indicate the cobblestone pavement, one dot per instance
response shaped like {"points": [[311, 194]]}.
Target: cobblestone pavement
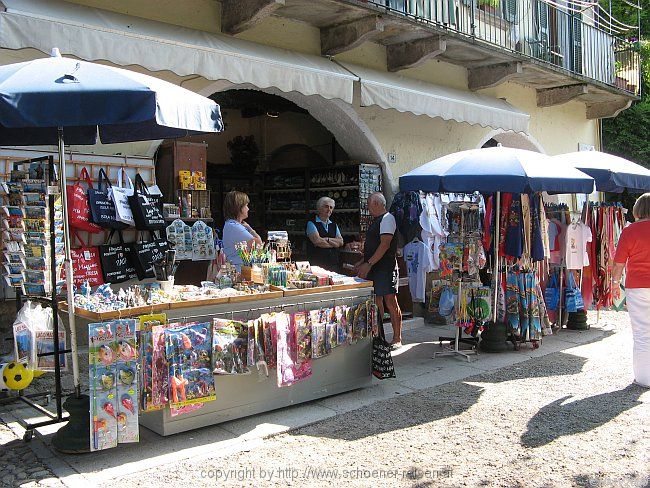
{"points": [[19, 466]]}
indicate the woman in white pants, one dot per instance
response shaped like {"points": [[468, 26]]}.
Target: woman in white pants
{"points": [[633, 254]]}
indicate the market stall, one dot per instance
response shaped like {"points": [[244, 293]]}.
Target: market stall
{"points": [[511, 235]]}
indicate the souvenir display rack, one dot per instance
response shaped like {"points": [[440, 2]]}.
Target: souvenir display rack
{"points": [[52, 192], [344, 369], [460, 231]]}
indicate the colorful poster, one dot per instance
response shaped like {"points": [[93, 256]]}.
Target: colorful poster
{"points": [[45, 344]]}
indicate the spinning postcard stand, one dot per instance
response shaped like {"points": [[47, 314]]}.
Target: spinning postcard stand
{"points": [[459, 235], [43, 169]]}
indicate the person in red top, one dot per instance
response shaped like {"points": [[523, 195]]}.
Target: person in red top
{"points": [[633, 254]]}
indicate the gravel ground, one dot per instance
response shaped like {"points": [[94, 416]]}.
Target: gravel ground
{"points": [[567, 419]]}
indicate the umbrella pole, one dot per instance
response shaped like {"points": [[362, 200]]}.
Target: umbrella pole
{"points": [[73, 437], [69, 278], [496, 275]]}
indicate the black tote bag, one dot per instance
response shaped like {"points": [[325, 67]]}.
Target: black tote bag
{"points": [[145, 253], [146, 208], [116, 260], [102, 208], [382, 361]]}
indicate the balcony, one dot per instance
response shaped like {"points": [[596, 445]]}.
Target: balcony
{"points": [[562, 52]]}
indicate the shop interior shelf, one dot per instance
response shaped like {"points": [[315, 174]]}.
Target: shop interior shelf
{"points": [[285, 190], [325, 188]]}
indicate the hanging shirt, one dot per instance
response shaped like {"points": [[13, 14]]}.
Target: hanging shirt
{"points": [[415, 258], [433, 233], [577, 237]]}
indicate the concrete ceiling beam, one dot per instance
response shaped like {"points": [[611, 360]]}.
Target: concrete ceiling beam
{"points": [[343, 37], [489, 76], [605, 110], [238, 16], [413, 53], [558, 95]]}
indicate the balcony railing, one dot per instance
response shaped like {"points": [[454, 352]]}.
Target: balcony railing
{"points": [[564, 36]]}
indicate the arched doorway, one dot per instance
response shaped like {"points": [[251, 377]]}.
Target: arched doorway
{"points": [[516, 140]]}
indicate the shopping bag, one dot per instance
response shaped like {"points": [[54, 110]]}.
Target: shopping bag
{"points": [[145, 253], [86, 265], [116, 261], [572, 297], [120, 196], [78, 208], [146, 208], [382, 361], [102, 208], [552, 293]]}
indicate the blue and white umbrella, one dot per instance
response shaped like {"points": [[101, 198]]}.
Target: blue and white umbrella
{"points": [[611, 173], [59, 100]]}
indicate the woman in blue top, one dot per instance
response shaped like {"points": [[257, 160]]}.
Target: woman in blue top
{"points": [[235, 230]]}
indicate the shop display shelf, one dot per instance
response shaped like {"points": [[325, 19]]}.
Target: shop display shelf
{"points": [[257, 296], [293, 292], [285, 190], [342, 187], [116, 314]]}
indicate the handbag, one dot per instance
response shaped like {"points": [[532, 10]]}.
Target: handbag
{"points": [[382, 361], [144, 254], [120, 196], [86, 265], [102, 208], [116, 261], [79, 210], [552, 293], [572, 296], [146, 208]]}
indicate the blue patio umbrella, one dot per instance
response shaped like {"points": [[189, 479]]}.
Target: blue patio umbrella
{"points": [[496, 169], [58, 100], [611, 173]]}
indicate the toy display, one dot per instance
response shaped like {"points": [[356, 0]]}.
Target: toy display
{"points": [[188, 352], [148, 370], [229, 347], [113, 380]]}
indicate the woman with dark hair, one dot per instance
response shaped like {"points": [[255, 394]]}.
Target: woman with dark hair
{"points": [[236, 230], [633, 254]]}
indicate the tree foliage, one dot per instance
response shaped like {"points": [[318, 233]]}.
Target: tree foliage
{"points": [[627, 134]]}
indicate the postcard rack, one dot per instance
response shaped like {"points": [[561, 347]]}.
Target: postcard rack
{"points": [[52, 193]]}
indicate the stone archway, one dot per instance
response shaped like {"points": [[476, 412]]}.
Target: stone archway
{"points": [[340, 118], [516, 140]]}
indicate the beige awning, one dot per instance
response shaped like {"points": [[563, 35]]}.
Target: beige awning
{"points": [[93, 34], [408, 95]]}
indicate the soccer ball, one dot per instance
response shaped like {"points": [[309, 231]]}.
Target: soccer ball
{"points": [[17, 376]]}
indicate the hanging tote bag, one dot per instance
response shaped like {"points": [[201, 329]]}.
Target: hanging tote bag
{"points": [[120, 196], [116, 260], [573, 298], [102, 208], [146, 208], [79, 210], [145, 253], [86, 265], [552, 293], [382, 361]]}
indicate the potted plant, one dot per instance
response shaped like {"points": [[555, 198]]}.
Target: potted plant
{"points": [[489, 6]]}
